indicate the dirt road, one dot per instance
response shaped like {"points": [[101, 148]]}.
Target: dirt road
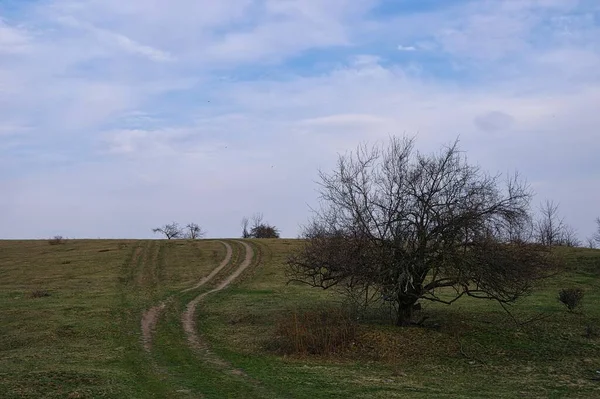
{"points": [[188, 319], [150, 316]]}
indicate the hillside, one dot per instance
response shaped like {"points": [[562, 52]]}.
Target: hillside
{"points": [[72, 320]]}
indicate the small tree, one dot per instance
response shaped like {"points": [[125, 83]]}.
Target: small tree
{"points": [[596, 236], [245, 223], [398, 226], [170, 231], [568, 237], [194, 231], [590, 243], [549, 228]]}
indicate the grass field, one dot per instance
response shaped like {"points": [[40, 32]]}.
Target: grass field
{"points": [[70, 328]]}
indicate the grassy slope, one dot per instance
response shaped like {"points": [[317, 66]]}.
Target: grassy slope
{"points": [[84, 339], [476, 352]]}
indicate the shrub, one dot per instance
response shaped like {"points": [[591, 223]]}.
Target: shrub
{"points": [[264, 231], [56, 240], [39, 294], [591, 332], [259, 229], [312, 332], [571, 297]]}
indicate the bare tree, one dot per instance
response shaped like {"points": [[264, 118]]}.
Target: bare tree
{"points": [[550, 227], [194, 231], [396, 225], [257, 219], [171, 230], [245, 231], [596, 236], [590, 243], [568, 237]]}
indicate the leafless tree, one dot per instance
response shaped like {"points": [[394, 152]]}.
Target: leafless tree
{"points": [[245, 231], [550, 227], [257, 219], [171, 230], [396, 225], [596, 236], [590, 243], [568, 237], [194, 231]]}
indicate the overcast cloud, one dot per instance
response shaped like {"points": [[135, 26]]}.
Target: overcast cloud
{"points": [[118, 116]]}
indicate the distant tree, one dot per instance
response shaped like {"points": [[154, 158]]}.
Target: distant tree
{"points": [[590, 243], [245, 224], [399, 226], [596, 236], [549, 228], [259, 228], [56, 240], [171, 230], [568, 237], [264, 231], [194, 231]]}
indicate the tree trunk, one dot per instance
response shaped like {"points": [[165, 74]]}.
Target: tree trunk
{"points": [[406, 306]]}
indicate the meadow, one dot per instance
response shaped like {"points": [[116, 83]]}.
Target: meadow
{"points": [[70, 327]]}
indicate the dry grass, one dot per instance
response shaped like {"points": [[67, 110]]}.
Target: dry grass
{"points": [[316, 332]]}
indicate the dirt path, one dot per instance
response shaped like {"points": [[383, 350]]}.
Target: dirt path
{"points": [[150, 316], [215, 271], [187, 318]]}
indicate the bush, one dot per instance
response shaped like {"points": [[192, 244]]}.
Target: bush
{"points": [[264, 231], [39, 294], [56, 240], [258, 229], [321, 332], [571, 297]]}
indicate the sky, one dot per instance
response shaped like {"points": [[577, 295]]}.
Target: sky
{"points": [[120, 116]]}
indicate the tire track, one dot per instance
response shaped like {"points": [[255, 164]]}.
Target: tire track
{"points": [[187, 318], [151, 315], [196, 344]]}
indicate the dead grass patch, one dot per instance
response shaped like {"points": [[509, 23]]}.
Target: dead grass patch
{"points": [[315, 332]]}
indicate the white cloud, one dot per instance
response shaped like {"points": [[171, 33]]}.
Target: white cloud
{"points": [[13, 39], [116, 39], [406, 48]]}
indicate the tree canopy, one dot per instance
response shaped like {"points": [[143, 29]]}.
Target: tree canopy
{"points": [[397, 225]]}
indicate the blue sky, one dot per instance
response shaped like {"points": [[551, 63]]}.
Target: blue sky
{"points": [[118, 116]]}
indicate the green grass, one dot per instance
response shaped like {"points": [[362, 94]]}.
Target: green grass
{"points": [[83, 340]]}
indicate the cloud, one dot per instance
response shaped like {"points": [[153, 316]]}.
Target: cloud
{"points": [[116, 39], [494, 121], [406, 48], [13, 39], [209, 111]]}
